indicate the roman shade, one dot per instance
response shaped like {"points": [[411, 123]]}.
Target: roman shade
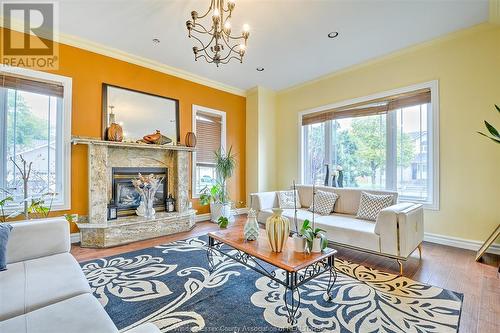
{"points": [[369, 108], [208, 135], [37, 87]]}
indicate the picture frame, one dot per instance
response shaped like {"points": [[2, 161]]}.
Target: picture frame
{"points": [[140, 113]]}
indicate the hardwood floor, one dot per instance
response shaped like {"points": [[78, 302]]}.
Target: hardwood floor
{"points": [[442, 266]]}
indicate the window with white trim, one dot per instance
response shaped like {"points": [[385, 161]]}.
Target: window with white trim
{"points": [[35, 111], [383, 143], [210, 127]]}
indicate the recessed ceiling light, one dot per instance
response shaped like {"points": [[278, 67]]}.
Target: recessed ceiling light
{"points": [[260, 69], [156, 41], [333, 34]]}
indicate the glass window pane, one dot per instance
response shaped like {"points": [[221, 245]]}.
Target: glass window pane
{"points": [[205, 177], [360, 150], [31, 134], [314, 164], [412, 153]]}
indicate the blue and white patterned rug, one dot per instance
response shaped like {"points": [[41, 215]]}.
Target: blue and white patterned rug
{"points": [[170, 285]]}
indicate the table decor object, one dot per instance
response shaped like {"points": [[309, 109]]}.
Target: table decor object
{"points": [[277, 229], [251, 228]]}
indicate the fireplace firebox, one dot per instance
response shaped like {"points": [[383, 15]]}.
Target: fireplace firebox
{"points": [[124, 194]]}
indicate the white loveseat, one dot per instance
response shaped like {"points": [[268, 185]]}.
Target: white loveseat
{"points": [[44, 290], [397, 232]]}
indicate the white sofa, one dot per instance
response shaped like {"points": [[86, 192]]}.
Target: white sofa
{"points": [[397, 232], [44, 290]]}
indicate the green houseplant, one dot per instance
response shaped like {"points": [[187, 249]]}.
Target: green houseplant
{"points": [[494, 135], [315, 238], [217, 195]]}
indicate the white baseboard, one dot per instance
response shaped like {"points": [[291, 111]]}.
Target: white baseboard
{"points": [[206, 216], [202, 217], [75, 237], [459, 242]]}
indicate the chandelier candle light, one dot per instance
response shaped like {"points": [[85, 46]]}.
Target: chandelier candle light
{"points": [[222, 47]]}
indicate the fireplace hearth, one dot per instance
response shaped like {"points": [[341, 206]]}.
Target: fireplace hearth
{"points": [[125, 196]]}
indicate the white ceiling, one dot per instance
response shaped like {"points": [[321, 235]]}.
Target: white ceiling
{"points": [[288, 37]]}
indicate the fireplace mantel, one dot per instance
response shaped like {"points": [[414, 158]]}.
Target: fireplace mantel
{"points": [[102, 157], [76, 140]]}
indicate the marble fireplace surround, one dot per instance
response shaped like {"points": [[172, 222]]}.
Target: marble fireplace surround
{"points": [[98, 232]]}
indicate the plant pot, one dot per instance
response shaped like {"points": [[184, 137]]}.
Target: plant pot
{"points": [[299, 243], [316, 245], [218, 209], [277, 229]]}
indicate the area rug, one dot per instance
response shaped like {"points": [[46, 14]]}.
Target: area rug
{"points": [[170, 285]]}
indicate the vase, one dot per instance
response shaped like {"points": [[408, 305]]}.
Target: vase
{"points": [[277, 229], [251, 228], [299, 243], [190, 139], [148, 201], [340, 179], [327, 175], [115, 132], [316, 245], [220, 209]]}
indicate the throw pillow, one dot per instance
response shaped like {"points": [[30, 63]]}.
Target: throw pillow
{"points": [[371, 204], [324, 202], [4, 237], [285, 199]]}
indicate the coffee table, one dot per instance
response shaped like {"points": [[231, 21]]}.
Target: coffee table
{"points": [[299, 267]]}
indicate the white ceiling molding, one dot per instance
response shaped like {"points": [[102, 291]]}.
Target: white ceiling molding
{"points": [[87, 45]]}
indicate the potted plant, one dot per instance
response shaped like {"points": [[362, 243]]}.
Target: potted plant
{"points": [[494, 134], [315, 238], [217, 196]]}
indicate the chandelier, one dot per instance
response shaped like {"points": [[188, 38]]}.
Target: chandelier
{"points": [[222, 47]]}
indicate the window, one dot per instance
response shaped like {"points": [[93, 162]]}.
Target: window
{"points": [[210, 129], [35, 127], [387, 142]]}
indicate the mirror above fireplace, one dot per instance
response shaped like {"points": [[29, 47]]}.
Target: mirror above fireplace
{"points": [[140, 113]]}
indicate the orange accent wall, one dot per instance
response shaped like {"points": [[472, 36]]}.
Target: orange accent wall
{"points": [[89, 70]]}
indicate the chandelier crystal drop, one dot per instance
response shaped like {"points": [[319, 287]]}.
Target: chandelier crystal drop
{"points": [[222, 47]]}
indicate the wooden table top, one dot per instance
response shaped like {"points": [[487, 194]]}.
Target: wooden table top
{"points": [[288, 260]]}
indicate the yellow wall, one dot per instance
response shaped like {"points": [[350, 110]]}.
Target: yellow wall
{"points": [[89, 70], [261, 140], [467, 65]]}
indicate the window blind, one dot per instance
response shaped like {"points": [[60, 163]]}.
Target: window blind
{"points": [[37, 87], [369, 108], [208, 137]]}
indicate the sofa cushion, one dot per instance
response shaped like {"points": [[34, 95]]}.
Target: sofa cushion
{"points": [[79, 314], [285, 199], [32, 284], [370, 205], [4, 238], [348, 201], [348, 230], [323, 202]]}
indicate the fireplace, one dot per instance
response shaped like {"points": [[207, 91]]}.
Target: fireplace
{"points": [[125, 196]]}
